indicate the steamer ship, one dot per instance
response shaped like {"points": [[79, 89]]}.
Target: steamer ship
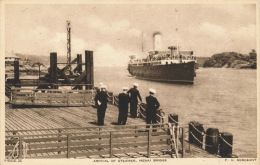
{"points": [[171, 66]]}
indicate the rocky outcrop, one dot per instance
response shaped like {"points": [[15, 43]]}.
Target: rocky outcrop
{"points": [[232, 60]]}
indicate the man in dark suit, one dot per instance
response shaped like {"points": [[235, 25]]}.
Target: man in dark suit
{"points": [[101, 100], [134, 93], [123, 106], [152, 106]]}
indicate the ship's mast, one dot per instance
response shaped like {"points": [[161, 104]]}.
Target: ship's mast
{"points": [[176, 23], [142, 42]]}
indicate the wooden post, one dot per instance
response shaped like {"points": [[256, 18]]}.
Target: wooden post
{"points": [[16, 71], [79, 61], [20, 147], [149, 143], [53, 69], [183, 149], [59, 131], [211, 143], [89, 69], [111, 144], [67, 97], [68, 145], [225, 145], [196, 133], [84, 99]]}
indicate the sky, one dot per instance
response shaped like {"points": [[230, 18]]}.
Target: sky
{"points": [[116, 31]]}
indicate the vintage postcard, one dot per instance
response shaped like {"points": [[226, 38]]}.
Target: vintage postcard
{"points": [[129, 82]]}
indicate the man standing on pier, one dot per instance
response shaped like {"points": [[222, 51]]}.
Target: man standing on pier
{"points": [[123, 106], [134, 93], [101, 100], [152, 106]]}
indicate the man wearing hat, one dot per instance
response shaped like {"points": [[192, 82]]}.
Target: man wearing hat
{"points": [[123, 106], [101, 100], [134, 93], [152, 106]]}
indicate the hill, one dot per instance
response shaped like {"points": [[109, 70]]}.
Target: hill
{"points": [[40, 58], [232, 60], [201, 60]]}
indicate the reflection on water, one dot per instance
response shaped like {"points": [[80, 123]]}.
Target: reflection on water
{"points": [[222, 98]]}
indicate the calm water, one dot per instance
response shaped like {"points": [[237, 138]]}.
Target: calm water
{"points": [[220, 98]]}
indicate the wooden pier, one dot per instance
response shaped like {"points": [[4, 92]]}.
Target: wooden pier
{"points": [[45, 124], [56, 119]]}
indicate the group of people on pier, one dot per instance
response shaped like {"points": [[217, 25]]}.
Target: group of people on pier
{"points": [[128, 96]]}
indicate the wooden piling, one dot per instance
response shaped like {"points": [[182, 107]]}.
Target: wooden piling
{"points": [[89, 69], [68, 145], [211, 144], [53, 69], [20, 156], [111, 144], [16, 71], [182, 144], [196, 132], [149, 143], [79, 61], [225, 144]]}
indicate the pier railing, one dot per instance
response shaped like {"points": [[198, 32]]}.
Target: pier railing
{"points": [[52, 97], [90, 142], [141, 108]]}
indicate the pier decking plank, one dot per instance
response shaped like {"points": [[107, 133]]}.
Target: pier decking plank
{"points": [[71, 117], [60, 117]]}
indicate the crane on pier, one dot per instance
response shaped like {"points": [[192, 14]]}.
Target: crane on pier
{"points": [[68, 45]]}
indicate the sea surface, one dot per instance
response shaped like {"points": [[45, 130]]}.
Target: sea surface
{"points": [[220, 98]]}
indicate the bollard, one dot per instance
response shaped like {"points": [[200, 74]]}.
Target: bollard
{"points": [[212, 135], [225, 144], [173, 118], [196, 132]]}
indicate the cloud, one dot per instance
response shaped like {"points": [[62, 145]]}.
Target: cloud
{"points": [[95, 22], [245, 32], [212, 29], [114, 27]]}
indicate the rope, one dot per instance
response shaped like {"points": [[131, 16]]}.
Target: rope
{"points": [[142, 107], [173, 120], [195, 137], [110, 95], [159, 115], [116, 98], [13, 151], [202, 133], [116, 103], [199, 140], [226, 141], [142, 114]]}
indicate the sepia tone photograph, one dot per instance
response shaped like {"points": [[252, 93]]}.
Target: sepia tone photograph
{"points": [[129, 82]]}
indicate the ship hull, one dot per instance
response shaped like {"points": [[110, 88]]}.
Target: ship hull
{"points": [[183, 73]]}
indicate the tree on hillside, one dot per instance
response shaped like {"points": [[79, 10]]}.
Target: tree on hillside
{"points": [[252, 54]]}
